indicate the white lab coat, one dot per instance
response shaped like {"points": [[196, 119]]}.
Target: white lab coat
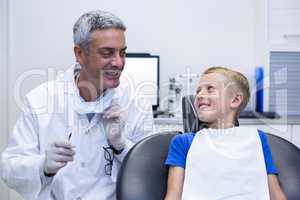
{"points": [[49, 115]]}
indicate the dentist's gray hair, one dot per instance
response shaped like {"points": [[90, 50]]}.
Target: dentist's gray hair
{"points": [[91, 21]]}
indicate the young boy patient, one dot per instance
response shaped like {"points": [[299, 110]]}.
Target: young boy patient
{"points": [[222, 161]]}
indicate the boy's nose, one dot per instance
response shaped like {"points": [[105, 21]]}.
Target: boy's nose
{"points": [[201, 93]]}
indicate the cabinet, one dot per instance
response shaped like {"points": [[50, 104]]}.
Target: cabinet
{"points": [[284, 25], [168, 124], [296, 135], [284, 131], [289, 130]]}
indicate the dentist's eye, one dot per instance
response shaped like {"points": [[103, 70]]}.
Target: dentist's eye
{"points": [[123, 54], [210, 88], [106, 52]]}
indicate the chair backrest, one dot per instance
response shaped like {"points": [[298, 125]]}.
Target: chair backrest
{"points": [[287, 160], [190, 121], [285, 154], [143, 174]]}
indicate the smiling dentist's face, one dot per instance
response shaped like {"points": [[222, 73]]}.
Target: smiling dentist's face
{"points": [[104, 61]]}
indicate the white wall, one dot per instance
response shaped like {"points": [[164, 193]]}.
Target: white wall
{"points": [[284, 25], [3, 86], [192, 34], [186, 34]]}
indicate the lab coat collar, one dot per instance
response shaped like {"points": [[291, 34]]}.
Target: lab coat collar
{"points": [[69, 79], [77, 102]]}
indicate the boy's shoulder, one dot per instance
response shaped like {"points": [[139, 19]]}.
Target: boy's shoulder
{"points": [[184, 136], [183, 139]]}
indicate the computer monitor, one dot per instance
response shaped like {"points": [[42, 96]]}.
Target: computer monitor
{"points": [[141, 72]]}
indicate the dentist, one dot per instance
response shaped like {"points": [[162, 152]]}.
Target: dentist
{"points": [[74, 132]]}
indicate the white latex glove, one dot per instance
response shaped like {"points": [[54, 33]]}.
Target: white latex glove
{"points": [[114, 126], [58, 154]]}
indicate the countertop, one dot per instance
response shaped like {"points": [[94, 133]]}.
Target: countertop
{"points": [[243, 121]]}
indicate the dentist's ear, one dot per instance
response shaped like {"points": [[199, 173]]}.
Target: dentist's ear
{"points": [[237, 100], [79, 54]]}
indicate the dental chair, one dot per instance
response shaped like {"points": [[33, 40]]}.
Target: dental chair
{"points": [[285, 154], [143, 174]]}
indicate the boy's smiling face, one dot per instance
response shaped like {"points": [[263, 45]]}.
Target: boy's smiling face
{"points": [[214, 100]]}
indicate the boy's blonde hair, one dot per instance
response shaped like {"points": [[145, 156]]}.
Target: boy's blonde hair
{"points": [[237, 78]]}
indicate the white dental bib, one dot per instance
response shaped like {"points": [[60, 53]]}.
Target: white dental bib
{"points": [[226, 164]]}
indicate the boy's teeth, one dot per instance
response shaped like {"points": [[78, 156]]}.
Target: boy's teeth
{"points": [[204, 106]]}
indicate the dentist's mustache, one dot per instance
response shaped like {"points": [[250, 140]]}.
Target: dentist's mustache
{"points": [[110, 70]]}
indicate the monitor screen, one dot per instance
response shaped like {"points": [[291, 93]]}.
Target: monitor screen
{"points": [[141, 72]]}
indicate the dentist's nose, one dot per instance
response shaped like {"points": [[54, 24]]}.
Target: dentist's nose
{"points": [[118, 61]]}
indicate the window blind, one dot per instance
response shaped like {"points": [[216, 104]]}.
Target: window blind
{"points": [[285, 83]]}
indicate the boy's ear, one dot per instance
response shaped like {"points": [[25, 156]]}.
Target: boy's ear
{"points": [[237, 101]]}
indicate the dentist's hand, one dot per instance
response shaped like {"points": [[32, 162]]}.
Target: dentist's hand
{"points": [[58, 154], [114, 126]]}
